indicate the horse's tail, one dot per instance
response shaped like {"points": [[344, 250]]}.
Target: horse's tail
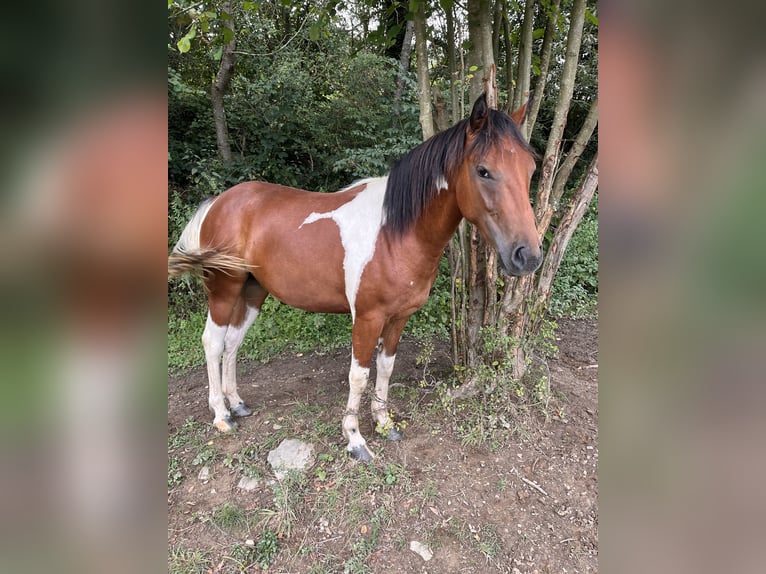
{"points": [[204, 261], [189, 257]]}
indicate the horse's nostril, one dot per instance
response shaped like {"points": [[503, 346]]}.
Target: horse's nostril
{"points": [[519, 256]]}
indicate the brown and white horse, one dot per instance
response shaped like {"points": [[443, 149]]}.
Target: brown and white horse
{"points": [[371, 250]]}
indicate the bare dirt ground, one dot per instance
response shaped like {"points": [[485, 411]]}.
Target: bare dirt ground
{"points": [[526, 504]]}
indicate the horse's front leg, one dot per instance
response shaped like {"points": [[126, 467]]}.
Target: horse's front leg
{"points": [[384, 367], [364, 337]]}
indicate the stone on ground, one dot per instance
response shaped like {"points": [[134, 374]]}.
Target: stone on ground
{"points": [[291, 454], [421, 550]]}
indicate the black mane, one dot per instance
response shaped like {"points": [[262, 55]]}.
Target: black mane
{"points": [[412, 182]]}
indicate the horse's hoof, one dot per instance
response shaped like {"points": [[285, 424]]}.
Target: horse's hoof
{"points": [[361, 453], [226, 425], [393, 435], [241, 410]]}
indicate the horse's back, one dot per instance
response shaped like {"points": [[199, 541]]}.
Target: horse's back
{"points": [[302, 265]]}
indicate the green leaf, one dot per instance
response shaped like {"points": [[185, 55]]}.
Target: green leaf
{"points": [[228, 35], [184, 44], [591, 17], [314, 31]]}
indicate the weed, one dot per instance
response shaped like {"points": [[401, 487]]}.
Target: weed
{"points": [[206, 455], [267, 548], [244, 461], [288, 497], [229, 516], [175, 476], [242, 556], [186, 561]]}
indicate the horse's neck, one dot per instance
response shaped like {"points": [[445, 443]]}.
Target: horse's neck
{"points": [[438, 224]]}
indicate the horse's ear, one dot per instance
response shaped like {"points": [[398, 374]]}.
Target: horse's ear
{"points": [[521, 114], [479, 113]]}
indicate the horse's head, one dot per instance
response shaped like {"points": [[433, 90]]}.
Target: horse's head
{"points": [[493, 187]]}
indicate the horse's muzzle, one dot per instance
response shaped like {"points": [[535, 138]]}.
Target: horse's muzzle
{"points": [[521, 259]]}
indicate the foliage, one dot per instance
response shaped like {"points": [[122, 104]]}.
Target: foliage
{"points": [[575, 287], [493, 414], [311, 105]]}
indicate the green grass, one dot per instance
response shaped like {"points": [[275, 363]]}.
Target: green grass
{"points": [[229, 516], [187, 561]]}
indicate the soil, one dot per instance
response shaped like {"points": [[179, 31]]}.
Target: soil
{"points": [[526, 505]]}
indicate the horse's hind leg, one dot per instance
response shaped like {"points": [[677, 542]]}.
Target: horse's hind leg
{"points": [[213, 338], [225, 294], [253, 296]]}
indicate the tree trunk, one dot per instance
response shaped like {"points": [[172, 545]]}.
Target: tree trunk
{"points": [[441, 119], [525, 56], [404, 65], [456, 110], [565, 229], [510, 84], [424, 82], [518, 310], [221, 84], [480, 37], [545, 62], [566, 167], [568, 74], [473, 264]]}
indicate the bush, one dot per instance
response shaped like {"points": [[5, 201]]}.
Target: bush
{"points": [[575, 287]]}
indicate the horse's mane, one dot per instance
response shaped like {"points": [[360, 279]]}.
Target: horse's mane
{"points": [[415, 179]]}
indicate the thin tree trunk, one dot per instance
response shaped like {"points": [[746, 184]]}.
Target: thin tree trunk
{"points": [[545, 62], [480, 37], [441, 119], [424, 82], [510, 84], [220, 85], [568, 74], [525, 55], [566, 167], [473, 262], [574, 153], [566, 228], [404, 65], [456, 111]]}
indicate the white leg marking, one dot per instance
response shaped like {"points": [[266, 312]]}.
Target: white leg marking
{"points": [[359, 222], [213, 341], [385, 366], [232, 342], [357, 381]]}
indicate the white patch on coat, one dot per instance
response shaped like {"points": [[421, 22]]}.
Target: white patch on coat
{"points": [[441, 184], [359, 222], [189, 240]]}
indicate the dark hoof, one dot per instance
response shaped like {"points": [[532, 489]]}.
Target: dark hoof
{"points": [[226, 425], [241, 410], [393, 434], [361, 453]]}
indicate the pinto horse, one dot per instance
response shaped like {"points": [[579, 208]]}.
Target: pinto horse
{"points": [[371, 250]]}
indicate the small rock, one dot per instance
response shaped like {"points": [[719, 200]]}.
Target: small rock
{"points": [[204, 473], [247, 483], [249, 542], [421, 550], [291, 454]]}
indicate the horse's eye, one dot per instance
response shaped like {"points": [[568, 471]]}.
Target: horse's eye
{"points": [[483, 172]]}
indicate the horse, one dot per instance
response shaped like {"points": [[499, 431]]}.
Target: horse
{"points": [[371, 250]]}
